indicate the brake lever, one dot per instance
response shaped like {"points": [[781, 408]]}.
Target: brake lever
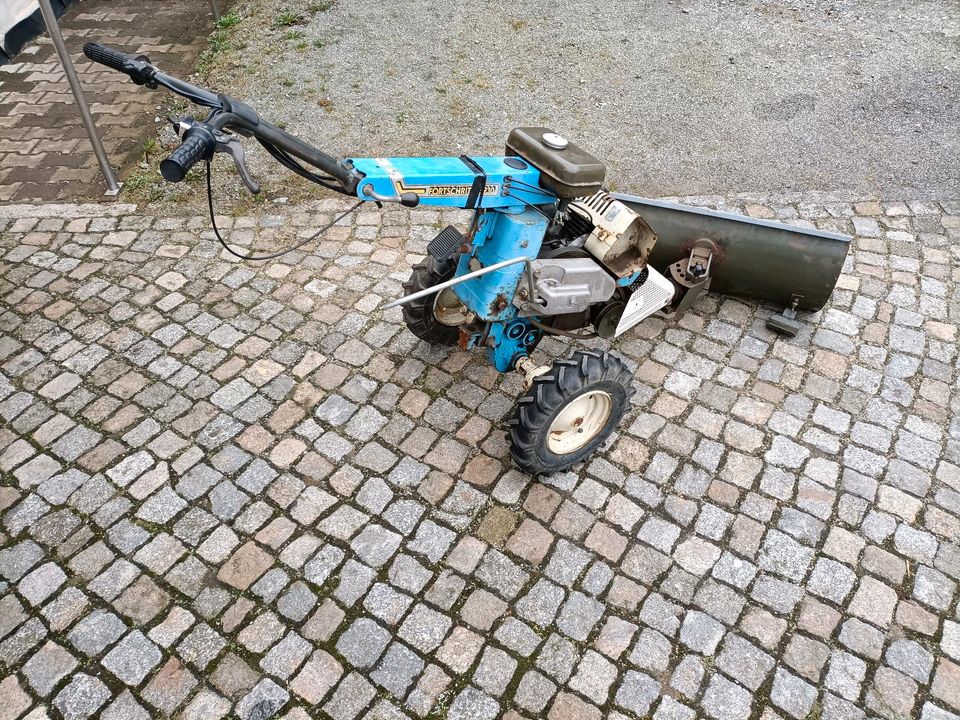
{"points": [[225, 143], [231, 145]]}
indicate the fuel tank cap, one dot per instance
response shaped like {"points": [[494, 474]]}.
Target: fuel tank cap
{"points": [[552, 140]]}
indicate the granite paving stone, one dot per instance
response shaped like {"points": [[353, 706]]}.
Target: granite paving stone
{"points": [[132, 659], [47, 667], [363, 643], [244, 490], [81, 697]]}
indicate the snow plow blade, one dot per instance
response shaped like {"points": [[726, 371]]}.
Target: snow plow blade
{"points": [[790, 266]]}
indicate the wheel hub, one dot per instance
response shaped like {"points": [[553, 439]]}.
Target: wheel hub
{"points": [[579, 422], [449, 310]]}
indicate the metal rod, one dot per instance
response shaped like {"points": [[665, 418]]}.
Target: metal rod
{"points": [[528, 271], [216, 11], [50, 19]]}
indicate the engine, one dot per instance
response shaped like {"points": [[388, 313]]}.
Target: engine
{"points": [[569, 285], [594, 266], [619, 238]]}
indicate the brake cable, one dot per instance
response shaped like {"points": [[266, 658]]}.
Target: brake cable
{"points": [[288, 162], [509, 180], [271, 256]]}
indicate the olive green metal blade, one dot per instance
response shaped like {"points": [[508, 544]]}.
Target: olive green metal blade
{"points": [[757, 259]]}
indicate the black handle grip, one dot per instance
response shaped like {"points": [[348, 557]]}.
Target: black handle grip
{"points": [[107, 56], [198, 145], [138, 68]]}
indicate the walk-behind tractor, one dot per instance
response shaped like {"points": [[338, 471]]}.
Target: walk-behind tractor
{"points": [[548, 251]]}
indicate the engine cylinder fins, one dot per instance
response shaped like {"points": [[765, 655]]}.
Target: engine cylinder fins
{"points": [[599, 202], [576, 226], [618, 237]]}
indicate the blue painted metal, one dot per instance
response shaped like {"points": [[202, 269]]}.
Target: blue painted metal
{"points": [[629, 279], [507, 228], [509, 341], [500, 236], [446, 181]]}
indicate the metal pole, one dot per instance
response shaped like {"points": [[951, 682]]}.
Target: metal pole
{"points": [[216, 12], [528, 271], [50, 19]]}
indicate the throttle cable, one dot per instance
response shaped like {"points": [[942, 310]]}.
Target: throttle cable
{"points": [[271, 256]]}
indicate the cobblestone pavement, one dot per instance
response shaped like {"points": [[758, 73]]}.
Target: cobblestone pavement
{"points": [[44, 150], [244, 490]]}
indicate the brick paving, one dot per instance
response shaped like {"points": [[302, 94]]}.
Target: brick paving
{"points": [[243, 490], [44, 150]]}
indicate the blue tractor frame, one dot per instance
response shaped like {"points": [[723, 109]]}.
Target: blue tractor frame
{"points": [[509, 225], [513, 211]]}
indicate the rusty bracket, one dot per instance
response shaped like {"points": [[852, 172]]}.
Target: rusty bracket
{"points": [[701, 257], [691, 276]]}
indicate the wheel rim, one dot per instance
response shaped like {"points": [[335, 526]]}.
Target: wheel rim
{"points": [[579, 422], [448, 310]]}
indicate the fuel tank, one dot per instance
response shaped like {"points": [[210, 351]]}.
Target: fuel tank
{"points": [[756, 259]]}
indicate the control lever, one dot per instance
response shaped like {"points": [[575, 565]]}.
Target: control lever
{"points": [[231, 145], [407, 199]]}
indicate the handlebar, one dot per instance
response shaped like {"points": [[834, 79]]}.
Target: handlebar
{"points": [[228, 113], [142, 72]]}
